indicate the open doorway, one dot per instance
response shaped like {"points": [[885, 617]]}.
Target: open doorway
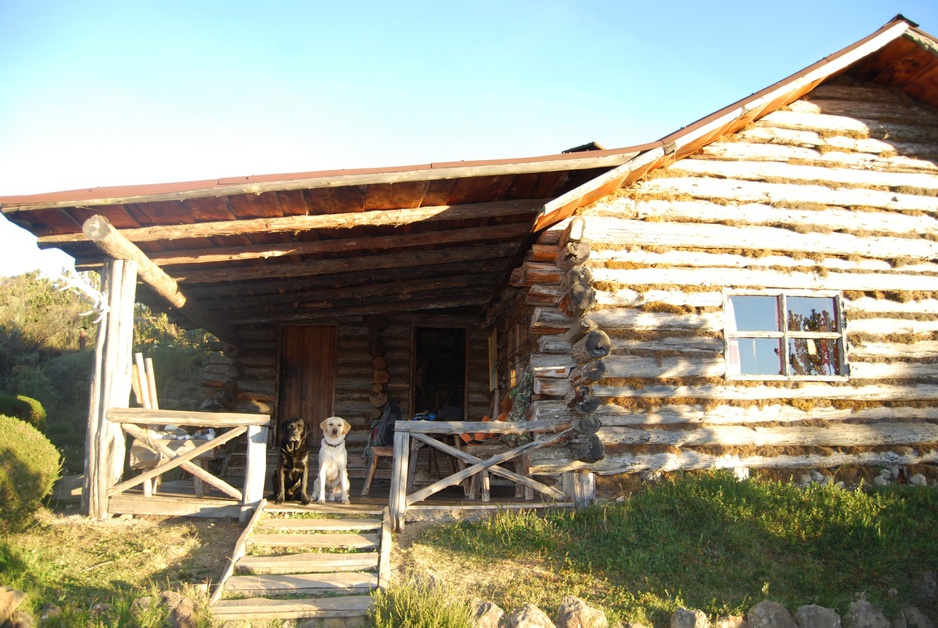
{"points": [[439, 375]]}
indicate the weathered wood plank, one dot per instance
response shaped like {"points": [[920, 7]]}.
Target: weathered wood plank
{"points": [[805, 146], [665, 366], [912, 155], [301, 584], [185, 417], [311, 562], [634, 320], [320, 540], [262, 608]]}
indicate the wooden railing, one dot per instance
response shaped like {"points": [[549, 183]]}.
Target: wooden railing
{"points": [[135, 422], [423, 431]]}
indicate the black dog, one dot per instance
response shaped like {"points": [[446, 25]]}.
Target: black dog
{"points": [[291, 477]]}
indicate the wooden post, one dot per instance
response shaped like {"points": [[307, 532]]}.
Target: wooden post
{"points": [[255, 469], [580, 485], [399, 472], [111, 386]]}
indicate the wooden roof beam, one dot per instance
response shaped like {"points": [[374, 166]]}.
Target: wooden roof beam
{"points": [[292, 224], [376, 263], [112, 243], [343, 245]]}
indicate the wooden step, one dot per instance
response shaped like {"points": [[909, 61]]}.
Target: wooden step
{"points": [[261, 608], [322, 540], [316, 562], [327, 508], [302, 584], [299, 525]]}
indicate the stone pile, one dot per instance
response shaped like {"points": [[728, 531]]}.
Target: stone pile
{"points": [[574, 613]]}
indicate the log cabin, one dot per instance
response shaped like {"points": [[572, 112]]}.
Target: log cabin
{"points": [[757, 289]]}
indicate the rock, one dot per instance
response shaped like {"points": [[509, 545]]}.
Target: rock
{"points": [[730, 621], [529, 616], [689, 618], [814, 616], [805, 479], [50, 611], [575, 613], [863, 615], [918, 480], [817, 476], [926, 586], [768, 614], [880, 481], [182, 610], [485, 614], [21, 619], [911, 617], [9, 599]]}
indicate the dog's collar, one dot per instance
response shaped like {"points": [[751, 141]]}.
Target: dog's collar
{"points": [[330, 444]]}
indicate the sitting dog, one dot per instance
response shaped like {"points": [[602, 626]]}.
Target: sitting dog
{"points": [[333, 461], [292, 474]]}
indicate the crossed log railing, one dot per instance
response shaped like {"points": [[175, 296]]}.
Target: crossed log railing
{"points": [[134, 421], [421, 431]]}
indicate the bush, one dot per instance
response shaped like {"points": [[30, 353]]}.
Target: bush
{"points": [[29, 466], [25, 409]]}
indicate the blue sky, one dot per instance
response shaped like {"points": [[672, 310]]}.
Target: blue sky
{"points": [[110, 93]]}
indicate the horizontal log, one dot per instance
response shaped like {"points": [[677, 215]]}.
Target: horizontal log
{"points": [[612, 415], [691, 346], [711, 236], [819, 217], [883, 306], [893, 370], [638, 320], [806, 390], [849, 126], [624, 295], [552, 365], [759, 278], [548, 320], [760, 171], [616, 464], [804, 146], [595, 344], [627, 366], [759, 192], [927, 350], [835, 435], [482, 427], [887, 326], [908, 112], [185, 417], [910, 154], [292, 224]]}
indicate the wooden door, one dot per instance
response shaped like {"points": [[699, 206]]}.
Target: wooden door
{"points": [[307, 375]]}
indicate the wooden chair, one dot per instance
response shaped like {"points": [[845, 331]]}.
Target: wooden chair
{"points": [[377, 452]]}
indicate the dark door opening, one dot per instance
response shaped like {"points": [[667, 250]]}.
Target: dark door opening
{"points": [[440, 371]]}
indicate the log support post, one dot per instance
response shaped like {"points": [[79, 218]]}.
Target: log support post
{"points": [[255, 470], [105, 445], [398, 498]]}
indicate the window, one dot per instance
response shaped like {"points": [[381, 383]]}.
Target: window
{"points": [[784, 335]]}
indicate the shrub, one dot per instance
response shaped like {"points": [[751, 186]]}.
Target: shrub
{"points": [[25, 409], [29, 465]]}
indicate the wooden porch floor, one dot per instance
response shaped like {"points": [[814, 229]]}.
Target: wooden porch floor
{"points": [[178, 498]]}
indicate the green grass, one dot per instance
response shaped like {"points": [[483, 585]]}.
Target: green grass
{"points": [[712, 543]]}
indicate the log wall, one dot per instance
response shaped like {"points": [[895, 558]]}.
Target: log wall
{"points": [[245, 380], [838, 191]]}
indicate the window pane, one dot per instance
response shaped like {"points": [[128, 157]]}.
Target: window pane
{"points": [[814, 356], [755, 313], [812, 314], [756, 356]]}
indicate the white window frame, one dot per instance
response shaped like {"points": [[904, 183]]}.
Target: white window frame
{"points": [[784, 334]]}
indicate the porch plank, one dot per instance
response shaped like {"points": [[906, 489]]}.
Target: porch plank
{"points": [[352, 541], [310, 525], [260, 608], [301, 584], [308, 563]]}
